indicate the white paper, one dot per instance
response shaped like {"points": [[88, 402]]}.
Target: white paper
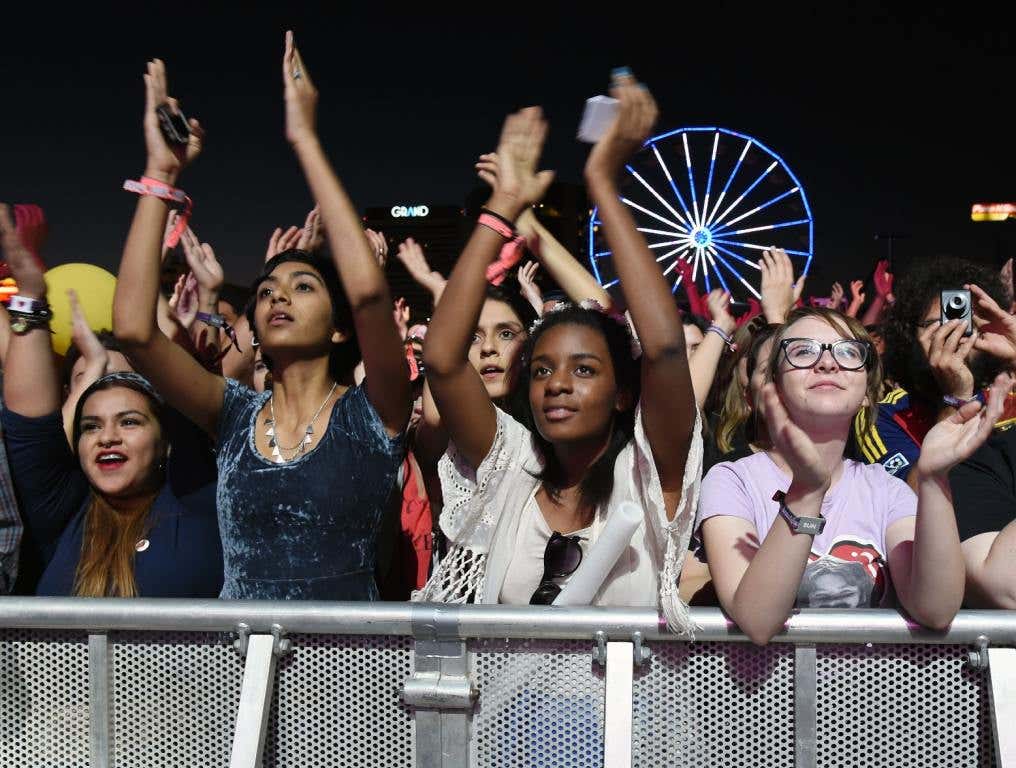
{"points": [[599, 561], [599, 114]]}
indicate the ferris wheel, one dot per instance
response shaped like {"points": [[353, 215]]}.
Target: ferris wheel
{"points": [[739, 199]]}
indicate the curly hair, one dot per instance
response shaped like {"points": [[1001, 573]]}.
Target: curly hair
{"points": [[598, 483], [904, 358]]}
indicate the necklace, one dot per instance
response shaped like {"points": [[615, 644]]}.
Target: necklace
{"points": [[301, 447]]}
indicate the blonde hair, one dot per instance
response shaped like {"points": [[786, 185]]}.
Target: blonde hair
{"points": [[108, 546], [734, 408], [848, 327]]}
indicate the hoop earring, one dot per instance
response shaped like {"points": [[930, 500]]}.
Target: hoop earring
{"points": [[254, 341]]}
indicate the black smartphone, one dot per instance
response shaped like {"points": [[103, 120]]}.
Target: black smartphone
{"points": [[173, 124], [956, 305]]}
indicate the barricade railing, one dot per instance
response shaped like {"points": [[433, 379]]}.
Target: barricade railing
{"points": [[207, 683]]}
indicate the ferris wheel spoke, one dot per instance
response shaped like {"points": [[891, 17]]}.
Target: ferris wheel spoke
{"points": [[673, 186], [612, 283], [732, 254], [601, 254], [756, 209], [669, 254], [705, 268], [646, 211], [746, 192], [691, 180], [788, 251], [730, 179], [710, 252], [766, 227], [738, 275], [647, 231], [709, 181], [687, 226]]}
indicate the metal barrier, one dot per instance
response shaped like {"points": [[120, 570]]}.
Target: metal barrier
{"points": [[148, 683]]}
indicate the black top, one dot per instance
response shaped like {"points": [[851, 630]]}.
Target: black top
{"points": [[984, 486]]}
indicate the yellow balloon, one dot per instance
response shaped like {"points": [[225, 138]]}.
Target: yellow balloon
{"points": [[95, 287]]}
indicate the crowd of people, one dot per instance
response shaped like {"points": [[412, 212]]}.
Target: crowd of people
{"points": [[304, 439]]}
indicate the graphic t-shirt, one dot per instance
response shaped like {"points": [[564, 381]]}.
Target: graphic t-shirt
{"points": [[847, 567]]}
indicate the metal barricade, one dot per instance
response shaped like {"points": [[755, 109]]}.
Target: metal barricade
{"points": [[149, 683]]}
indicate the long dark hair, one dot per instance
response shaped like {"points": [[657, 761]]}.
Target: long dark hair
{"points": [[598, 482], [343, 357]]}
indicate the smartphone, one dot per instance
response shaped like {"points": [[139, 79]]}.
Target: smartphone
{"points": [[596, 119], [173, 124], [956, 305]]}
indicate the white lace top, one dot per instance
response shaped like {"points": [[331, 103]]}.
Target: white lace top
{"points": [[482, 510]]}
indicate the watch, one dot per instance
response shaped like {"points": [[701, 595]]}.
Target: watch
{"points": [[812, 526]]}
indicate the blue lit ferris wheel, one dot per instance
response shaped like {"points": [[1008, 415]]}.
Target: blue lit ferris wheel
{"points": [[740, 198]]}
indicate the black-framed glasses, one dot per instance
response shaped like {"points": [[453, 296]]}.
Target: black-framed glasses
{"points": [[561, 558], [849, 354]]}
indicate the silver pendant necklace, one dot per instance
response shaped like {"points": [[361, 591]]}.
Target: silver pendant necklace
{"points": [[299, 449]]}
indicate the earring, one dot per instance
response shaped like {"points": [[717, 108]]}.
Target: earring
{"points": [[254, 341]]}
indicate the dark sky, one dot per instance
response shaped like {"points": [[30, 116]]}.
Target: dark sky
{"points": [[892, 123]]}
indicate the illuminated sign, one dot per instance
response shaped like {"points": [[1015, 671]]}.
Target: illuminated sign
{"points": [[406, 211], [993, 211]]}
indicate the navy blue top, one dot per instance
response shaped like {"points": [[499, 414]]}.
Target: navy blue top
{"points": [[306, 529], [183, 559]]}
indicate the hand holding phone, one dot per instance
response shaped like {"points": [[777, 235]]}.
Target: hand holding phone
{"points": [[174, 126], [596, 119]]}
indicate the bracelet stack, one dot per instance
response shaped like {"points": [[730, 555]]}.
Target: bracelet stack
{"points": [[727, 338], [28, 314]]}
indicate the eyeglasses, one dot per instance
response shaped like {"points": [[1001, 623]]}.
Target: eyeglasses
{"points": [[849, 354], [561, 558]]}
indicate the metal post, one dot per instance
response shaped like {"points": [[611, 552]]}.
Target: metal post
{"points": [[617, 705], [99, 703], [1002, 698], [440, 690], [805, 706], [255, 702]]}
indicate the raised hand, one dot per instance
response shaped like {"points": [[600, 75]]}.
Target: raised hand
{"points": [[87, 343], [184, 301], [401, 314], [30, 221], [946, 349], [25, 269], [636, 115], [312, 235], [413, 259], [379, 243], [794, 445], [996, 333], [164, 161], [300, 94], [856, 297], [282, 241], [883, 280], [836, 296], [955, 439], [515, 181], [527, 283], [203, 265], [779, 291], [718, 302]]}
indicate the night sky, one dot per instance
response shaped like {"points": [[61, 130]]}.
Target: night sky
{"points": [[892, 123]]}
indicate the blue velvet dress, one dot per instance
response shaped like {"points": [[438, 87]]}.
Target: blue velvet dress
{"points": [[306, 529]]}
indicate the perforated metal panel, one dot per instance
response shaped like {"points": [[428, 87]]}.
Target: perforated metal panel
{"points": [[175, 697], [541, 704], [337, 704], [714, 704], [43, 699], [908, 706]]}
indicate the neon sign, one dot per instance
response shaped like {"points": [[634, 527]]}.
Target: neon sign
{"points": [[406, 211], [992, 211]]}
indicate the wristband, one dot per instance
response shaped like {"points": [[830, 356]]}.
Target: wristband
{"points": [[812, 526], [727, 339], [959, 402], [504, 220], [218, 321], [511, 252], [28, 306], [160, 189]]}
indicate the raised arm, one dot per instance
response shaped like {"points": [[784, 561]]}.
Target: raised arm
{"points": [[174, 373], [31, 383], [668, 401], [706, 359], [363, 281], [461, 398], [96, 359]]}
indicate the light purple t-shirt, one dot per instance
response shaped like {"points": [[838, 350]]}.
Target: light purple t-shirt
{"points": [[847, 567]]}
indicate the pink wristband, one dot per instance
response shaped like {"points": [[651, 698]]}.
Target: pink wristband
{"points": [[492, 222], [149, 186]]}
